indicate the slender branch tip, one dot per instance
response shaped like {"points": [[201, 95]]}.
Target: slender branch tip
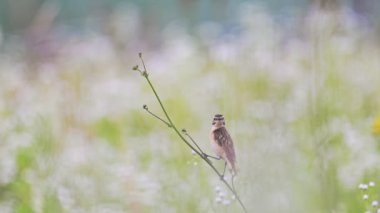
{"points": [[145, 107], [145, 74]]}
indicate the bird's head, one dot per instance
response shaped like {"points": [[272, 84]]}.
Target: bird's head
{"points": [[218, 121]]}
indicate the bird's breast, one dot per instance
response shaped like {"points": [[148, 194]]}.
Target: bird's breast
{"points": [[215, 146]]}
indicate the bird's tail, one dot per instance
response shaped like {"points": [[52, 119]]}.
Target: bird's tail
{"points": [[232, 168]]}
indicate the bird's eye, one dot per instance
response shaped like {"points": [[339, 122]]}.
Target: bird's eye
{"points": [[213, 123]]}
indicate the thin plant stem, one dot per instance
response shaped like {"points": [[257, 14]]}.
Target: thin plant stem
{"points": [[195, 143], [170, 124], [170, 121], [156, 116], [187, 134]]}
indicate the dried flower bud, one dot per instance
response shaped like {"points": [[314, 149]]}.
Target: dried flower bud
{"points": [[135, 67], [183, 130], [144, 73], [145, 107], [140, 55]]}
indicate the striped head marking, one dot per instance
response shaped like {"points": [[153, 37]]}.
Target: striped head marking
{"points": [[218, 120]]}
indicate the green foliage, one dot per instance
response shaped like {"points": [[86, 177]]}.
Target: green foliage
{"points": [[25, 158], [22, 191], [44, 142], [109, 130], [24, 208], [183, 113], [52, 204], [135, 123]]}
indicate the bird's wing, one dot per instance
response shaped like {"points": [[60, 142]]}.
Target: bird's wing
{"points": [[224, 140]]}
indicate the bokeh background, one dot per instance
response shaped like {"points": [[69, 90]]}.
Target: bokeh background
{"points": [[298, 82]]}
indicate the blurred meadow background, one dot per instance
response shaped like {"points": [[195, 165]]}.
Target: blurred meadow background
{"points": [[298, 82]]}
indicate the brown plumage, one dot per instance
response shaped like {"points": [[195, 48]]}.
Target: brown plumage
{"points": [[222, 143]]}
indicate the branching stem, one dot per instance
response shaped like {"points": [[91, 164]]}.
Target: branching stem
{"points": [[199, 148], [170, 124], [156, 116]]}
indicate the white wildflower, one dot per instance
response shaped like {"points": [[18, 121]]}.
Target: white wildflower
{"points": [[221, 194], [226, 202], [363, 186], [217, 189], [218, 199]]}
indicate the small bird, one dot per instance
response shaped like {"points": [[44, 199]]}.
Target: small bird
{"points": [[222, 143]]}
